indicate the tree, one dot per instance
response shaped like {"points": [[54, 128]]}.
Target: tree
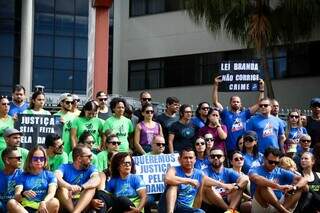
{"points": [[260, 24]]}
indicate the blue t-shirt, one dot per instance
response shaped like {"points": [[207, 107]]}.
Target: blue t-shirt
{"points": [[14, 109], [74, 176], [268, 130], [7, 185], [198, 122], [226, 175], [186, 192], [251, 161], [38, 183], [278, 175], [236, 125], [127, 187], [202, 164], [295, 133]]}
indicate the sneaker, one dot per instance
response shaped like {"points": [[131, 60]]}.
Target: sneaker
{"points": [[231, 211]]}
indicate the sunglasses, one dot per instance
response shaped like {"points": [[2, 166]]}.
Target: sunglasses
{"points": [[208, 139], [41, 159], [76, 101], [149, 111], [160, 144], [68, 102], [294, 116], [146, 99], [216, 156], [273, 162], [305, 141], [126, 163], [205, 108], [201, 143], [5, 104], [16, 158], [248, 139], [238, 159], [59, 147], [103, 99], [115, 142], [263, 105]]}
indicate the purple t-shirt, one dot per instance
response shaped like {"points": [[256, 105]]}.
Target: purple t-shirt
{"points": [[147, 134], [218, 142]]}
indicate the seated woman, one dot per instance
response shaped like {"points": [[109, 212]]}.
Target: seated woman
{"points": [[202, 161], [36, 186], [126, 191]]}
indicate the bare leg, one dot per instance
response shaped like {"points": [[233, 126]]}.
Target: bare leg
{"points": [[265, 196], [245, 207], [211, 197], [53, 205], [171, 198], [234, 199], [65, 200], [291, 201], [14, 207], [85, 199]]}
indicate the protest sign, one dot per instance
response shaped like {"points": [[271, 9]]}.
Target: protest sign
{"points": [[239, 76], [35, 128], [152, 169]]}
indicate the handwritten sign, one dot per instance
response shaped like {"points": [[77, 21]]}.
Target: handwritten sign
{"points": [[152, 169], [240, 76]]}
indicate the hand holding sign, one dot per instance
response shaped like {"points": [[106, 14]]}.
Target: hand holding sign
{"points": [[217, 79]]}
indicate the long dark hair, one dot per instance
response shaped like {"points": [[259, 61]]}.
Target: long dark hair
{"points": [[199, 108], [255, 151], [89, 106], [211, 109], [182, 109], [117, 160], [34, 97]]}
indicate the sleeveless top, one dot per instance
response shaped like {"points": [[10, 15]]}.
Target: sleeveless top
{"points": [[314, 186], [147, 134], [313, 128]]}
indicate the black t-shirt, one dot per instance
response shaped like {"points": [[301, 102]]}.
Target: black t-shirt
{"points": [[313, 129], [166, 123], [184, 135]]}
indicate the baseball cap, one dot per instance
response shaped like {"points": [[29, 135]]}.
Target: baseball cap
{"points": [[75, 97], [11, 131], [251, 134], [314, 101], [101, 95], [65, 96]]}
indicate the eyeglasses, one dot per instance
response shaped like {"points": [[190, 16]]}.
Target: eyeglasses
{"points": [[305, 141], [205, 108], [115, 142], [273, 162], [294, 116], [263, 105], [208, 139], [160, 144], [103, 99], [126, 163], [68, 102], [188, 112], [149, 111], [76, 101], [5, 104], [35, 158], [248, 139], [213, 156], [86, 156], [201, 143], [146, 99], [16, 157], [238, 159]]}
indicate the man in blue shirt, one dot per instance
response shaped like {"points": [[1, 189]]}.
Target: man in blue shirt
{"points": [[18, 104], [273, 188], [78, 179], [220, 197], [9, 175], [269, 129], [235, 117]]}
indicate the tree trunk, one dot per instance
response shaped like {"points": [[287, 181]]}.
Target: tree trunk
{"points": [[267, 78]]}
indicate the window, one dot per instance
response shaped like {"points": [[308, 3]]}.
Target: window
{"points": [[199, 69], [147, 7]]}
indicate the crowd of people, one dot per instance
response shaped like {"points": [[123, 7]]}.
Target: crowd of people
{"points": [[232, 159]]}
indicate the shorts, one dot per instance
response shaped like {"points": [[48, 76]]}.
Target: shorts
{"points": [[256, 207], [30, 203]]}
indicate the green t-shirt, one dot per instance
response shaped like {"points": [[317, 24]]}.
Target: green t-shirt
{"points": [[4, 124], [32, 112], [23, 152], [55, 161], [122, 127], [102, 158], [93, 125], [93, 162], [66, 138]]}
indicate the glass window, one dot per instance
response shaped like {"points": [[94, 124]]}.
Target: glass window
{"points": [[81, 47], [44, 6], [7, 25], [43, 45], [137, 80], [63, 46], [80, 64], [65, 7], [80, 81], [43, 77], [6, 64], [64, 25], [6, 44], [62, 80], [156, 6], [7, 9], [44, 23], [43, 62], [81, 27], [145, 7], [137, 7], [82, 7], [63, 63]]}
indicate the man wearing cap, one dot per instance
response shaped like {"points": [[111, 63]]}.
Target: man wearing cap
{"points": [[13, 138], [313, 121], [65, 102], [75, 105], [103, 111]]}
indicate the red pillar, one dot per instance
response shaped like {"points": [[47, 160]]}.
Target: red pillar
{"points": [[101, 49]]}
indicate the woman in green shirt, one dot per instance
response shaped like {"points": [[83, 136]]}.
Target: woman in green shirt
{"points": [[36, 104], [6, 121]]}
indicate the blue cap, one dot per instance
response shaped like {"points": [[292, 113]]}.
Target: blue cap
{"points": [[314, 101], [251, 134]]}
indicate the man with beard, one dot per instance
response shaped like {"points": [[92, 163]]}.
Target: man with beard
{"points": [[103, 112], [312, 123], [77, 181], [8, 176], [112, 147], [54, 149], [235, 117], [269, 129], [65, 103], [13, 139], [227, 200], [18, 104]]}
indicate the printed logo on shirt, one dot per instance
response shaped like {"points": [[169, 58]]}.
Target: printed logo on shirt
{"points": [[77, 180], [268, 130], [237, 125], [121, 131], [89, 126], [187, 132]]}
